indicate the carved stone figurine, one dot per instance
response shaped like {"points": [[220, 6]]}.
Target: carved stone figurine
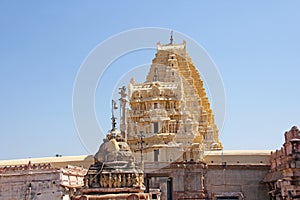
{"points": [[141, 181], [110, 181], [102, 181], [119, 180], [134, 180], [106, 181], [115, 181], [123, 183], [129, 181]]}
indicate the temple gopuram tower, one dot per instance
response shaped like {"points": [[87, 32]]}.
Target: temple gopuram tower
{"points": [[170, 118]]}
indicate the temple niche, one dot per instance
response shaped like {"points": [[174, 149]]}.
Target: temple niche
{"points": [[170, 118]]}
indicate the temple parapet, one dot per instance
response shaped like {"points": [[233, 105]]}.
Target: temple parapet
{"points": [[29, 166]]}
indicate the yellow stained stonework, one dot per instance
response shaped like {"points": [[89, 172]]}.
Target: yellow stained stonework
{"points": [[170, 118]]}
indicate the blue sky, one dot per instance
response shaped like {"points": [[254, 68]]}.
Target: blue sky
{"points": [[254, 44]]}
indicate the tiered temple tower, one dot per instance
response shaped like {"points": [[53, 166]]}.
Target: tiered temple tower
{"points": [[170, 118]]}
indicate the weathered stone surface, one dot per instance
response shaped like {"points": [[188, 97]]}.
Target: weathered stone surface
{"points": [[39, 181], [236, 181], [283, 179], [114, 149]]}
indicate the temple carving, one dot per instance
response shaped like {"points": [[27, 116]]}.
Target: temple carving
{"points": [[170, 112]]}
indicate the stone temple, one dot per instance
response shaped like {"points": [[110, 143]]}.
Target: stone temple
{"points": [[168, 148], [170, 110]]}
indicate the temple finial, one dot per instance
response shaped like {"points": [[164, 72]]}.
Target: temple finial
{"points": [[171, 37], [113, 119]]}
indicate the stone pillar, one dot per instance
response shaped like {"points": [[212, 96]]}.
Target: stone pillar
{"points": [[123, 102]]}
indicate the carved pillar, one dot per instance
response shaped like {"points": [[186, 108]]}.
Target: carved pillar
{"points": [[123, 102]]}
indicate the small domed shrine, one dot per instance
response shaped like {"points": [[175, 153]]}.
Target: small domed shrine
{"points": [[114, 174]]}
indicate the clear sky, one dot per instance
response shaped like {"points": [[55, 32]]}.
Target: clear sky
{"points": [[255, 46]]}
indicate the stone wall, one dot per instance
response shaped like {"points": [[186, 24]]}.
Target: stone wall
{"points": [[196, 180], [283, 179], [241, 181], [177, 180], [19, 182], [39, 181]]}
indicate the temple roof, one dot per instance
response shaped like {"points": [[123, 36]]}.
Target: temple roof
{"points": [[171, 46]]}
